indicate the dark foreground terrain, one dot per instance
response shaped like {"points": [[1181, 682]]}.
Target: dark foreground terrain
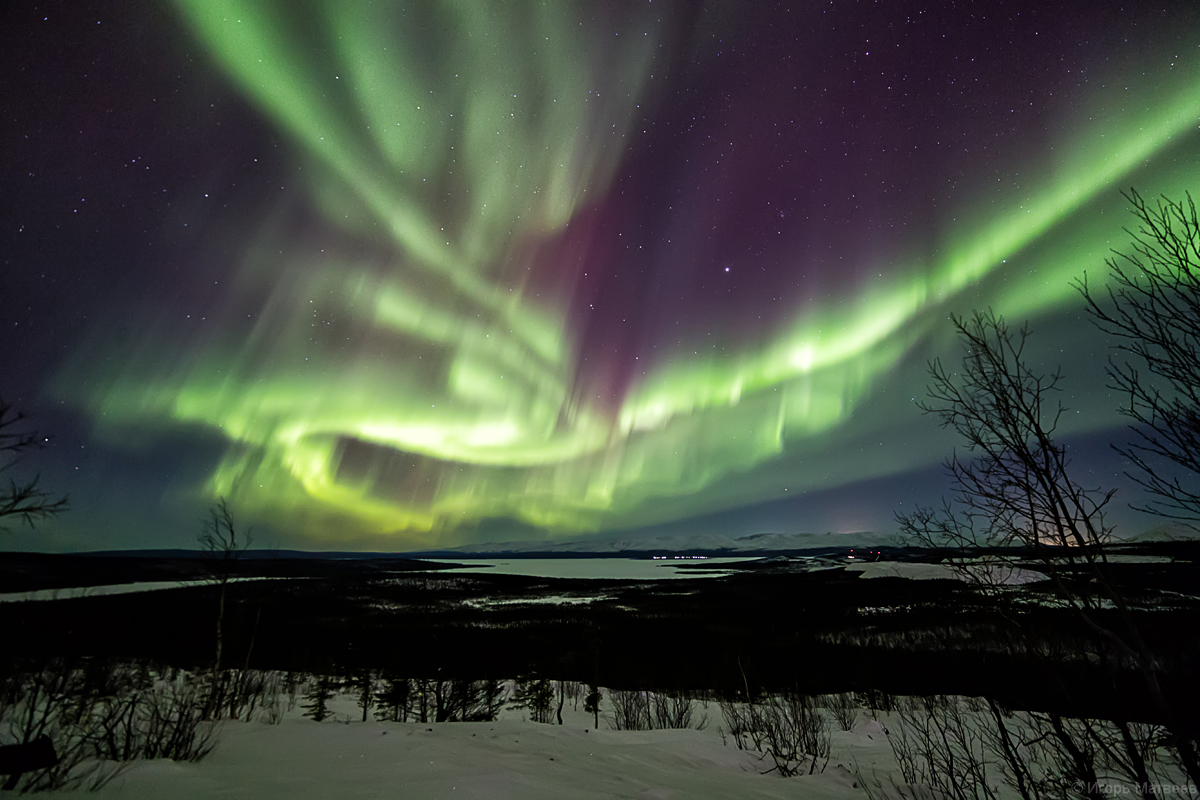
{"points": [[767, 626]]}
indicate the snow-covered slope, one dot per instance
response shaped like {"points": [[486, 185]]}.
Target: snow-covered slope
{"points": [[1168, 532], [514, 759], [508, 759]]}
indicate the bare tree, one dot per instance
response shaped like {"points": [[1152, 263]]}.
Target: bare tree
{"points": [[675, 710], [560, 690], [224, 543], [25, 500], [1151, 306], [788, 727], [100, 716], [575, 691], [875, 701], [967, 748], [630, 709], [937, 743], [1014, 487], [844, 708]]}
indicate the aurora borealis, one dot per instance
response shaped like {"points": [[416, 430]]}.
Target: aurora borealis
{"points": [[412, 274]]}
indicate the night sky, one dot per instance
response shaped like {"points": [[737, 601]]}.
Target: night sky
{"points": [[419, 274]]}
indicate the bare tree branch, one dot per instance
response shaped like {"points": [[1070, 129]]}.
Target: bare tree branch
{"points": [[1151, 306], [24, 500], [1014, 488], [220, 537]]}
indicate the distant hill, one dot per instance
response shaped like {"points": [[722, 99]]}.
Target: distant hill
{"points": [[686, 542], [1167, 532], [749, 543], [635, 543]]}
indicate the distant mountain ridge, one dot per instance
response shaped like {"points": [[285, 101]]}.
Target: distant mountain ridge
{"points": [[1166, 532], [689, 542], [748, 543], [633, 543]]}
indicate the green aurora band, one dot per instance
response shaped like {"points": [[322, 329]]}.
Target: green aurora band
{"points": [[412, 393]]}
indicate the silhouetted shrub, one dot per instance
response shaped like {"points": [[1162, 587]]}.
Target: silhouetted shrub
{"points": [[844, 709], [101, 715]]}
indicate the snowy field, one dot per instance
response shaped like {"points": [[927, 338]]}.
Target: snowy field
{"points": [[72, 593], [509, 758], [283, 755], [639, 569], [597, 568]]}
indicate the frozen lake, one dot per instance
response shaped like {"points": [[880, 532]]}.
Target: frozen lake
{"points": [[599, 568], [70, 593]]}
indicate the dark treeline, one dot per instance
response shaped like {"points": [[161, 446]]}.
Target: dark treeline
{"points": [[825, 631], [26, 572]]}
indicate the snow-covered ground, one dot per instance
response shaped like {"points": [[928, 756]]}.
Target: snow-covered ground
{"points": [[39, 595], [608, 568], [509, 758], [996, 574], [688, 541], [513, 757]]}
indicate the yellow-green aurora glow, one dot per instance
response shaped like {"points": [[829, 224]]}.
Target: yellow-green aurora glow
{"points": [[421, 381]]}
